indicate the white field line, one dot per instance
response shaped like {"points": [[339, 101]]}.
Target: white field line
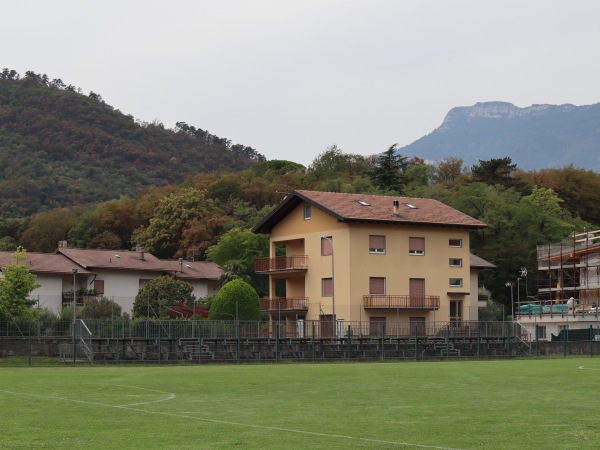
{"points": [[227, 422], [589, 368]]}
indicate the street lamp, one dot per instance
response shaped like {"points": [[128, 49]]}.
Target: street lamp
{"points": [[332, 287], [512, 304]]}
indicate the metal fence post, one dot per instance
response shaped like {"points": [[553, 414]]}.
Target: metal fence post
{"points": [[199, 342], [238, 340], [159, 342], [382, 341], [478, 342], [349, 342], [416, 342]]}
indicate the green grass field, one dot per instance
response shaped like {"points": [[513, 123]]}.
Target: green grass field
{"points": [[535, 404]]}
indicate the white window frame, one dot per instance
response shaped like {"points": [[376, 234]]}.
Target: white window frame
{"points": [[458, 282], [460, 242], [307, 212], [452, 260], [417, 252]]}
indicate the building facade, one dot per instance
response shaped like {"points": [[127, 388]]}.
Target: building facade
{"points": [[339, 258], [114, 274], [567, 301]]}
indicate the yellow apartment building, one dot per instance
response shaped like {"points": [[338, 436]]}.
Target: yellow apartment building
{"points": [[345, 258]]}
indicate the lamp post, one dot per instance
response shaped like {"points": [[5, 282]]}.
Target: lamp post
{"points": [[334, 322], [512, 304]]}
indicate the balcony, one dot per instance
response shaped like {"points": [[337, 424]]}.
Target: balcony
{"points": [[293, 263], [284, 304], [426, 302]]}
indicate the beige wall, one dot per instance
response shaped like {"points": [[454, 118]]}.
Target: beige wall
{"points": [[354, 265]]}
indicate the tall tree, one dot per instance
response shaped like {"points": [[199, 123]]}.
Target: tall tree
{"points": [[174, 213], [388, 171], [495, 171]]}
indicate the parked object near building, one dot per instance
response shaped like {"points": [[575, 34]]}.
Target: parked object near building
{"points": [[568, 288], [340, 258], [117, 275]]}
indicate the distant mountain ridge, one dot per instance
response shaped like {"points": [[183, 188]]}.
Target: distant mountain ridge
{"points": [[535, 137]]}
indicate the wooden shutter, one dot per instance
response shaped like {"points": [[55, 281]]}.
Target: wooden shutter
{"points": [[327, 287], [99, 286], [377, 244], [326, 247], [377, 286], [417, 292], [416, 245]]}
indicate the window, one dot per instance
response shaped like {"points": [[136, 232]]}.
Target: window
{"points": [[326, 246], [541, 332], [99, 286], [416, 292], [411, 206], [455, 262], [363, 203], [455, 242], [377, 286], [377, 244], [416, 246], [307, 212], [456, 282], [327, 287]]}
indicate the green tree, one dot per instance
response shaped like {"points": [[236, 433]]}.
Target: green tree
{"points": [[388, 172], [157, 295], [235, 300], [164, 233], [236, 250], [16, 285], [103, 308], [46, 229]]}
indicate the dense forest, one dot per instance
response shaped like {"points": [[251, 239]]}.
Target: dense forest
{"points": [[209, 208], [59, 147]]}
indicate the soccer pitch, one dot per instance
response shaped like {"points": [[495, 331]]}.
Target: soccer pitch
{"points": [[541, 403]]}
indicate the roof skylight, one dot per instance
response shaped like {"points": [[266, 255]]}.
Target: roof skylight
{"points": [[411, 206], [362, 202]]}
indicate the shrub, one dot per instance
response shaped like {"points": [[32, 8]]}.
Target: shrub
{"points": [[235, 300]]}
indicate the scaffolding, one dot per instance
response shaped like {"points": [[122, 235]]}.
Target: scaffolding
{"points": [[568, 273]]}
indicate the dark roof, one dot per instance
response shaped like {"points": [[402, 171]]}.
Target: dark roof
{"points": [[476, 261], [371, 208], [45, 263], [64, 260]]}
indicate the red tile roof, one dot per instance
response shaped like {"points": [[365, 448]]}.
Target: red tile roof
{"points": [[45, 263], [64, 260], [372, 208]]}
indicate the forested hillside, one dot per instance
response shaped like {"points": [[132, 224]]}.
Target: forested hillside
{"points": [[59, 147]]}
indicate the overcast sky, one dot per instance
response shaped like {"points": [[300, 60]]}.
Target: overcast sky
{"points": [[290, 78]]}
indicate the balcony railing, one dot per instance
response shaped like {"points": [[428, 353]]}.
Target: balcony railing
{"points": [[401, 302], [284, 304], [281, 263]]}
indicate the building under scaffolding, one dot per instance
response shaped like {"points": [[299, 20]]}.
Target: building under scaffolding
{"points": [[568, 287]]}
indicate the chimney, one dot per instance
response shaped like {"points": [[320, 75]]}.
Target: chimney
{"points": [[142, 252], [62, 244], [396, 207]]}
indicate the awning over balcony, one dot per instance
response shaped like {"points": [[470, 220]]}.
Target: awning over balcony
{"points": [[281, 264], [426, 302]]}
